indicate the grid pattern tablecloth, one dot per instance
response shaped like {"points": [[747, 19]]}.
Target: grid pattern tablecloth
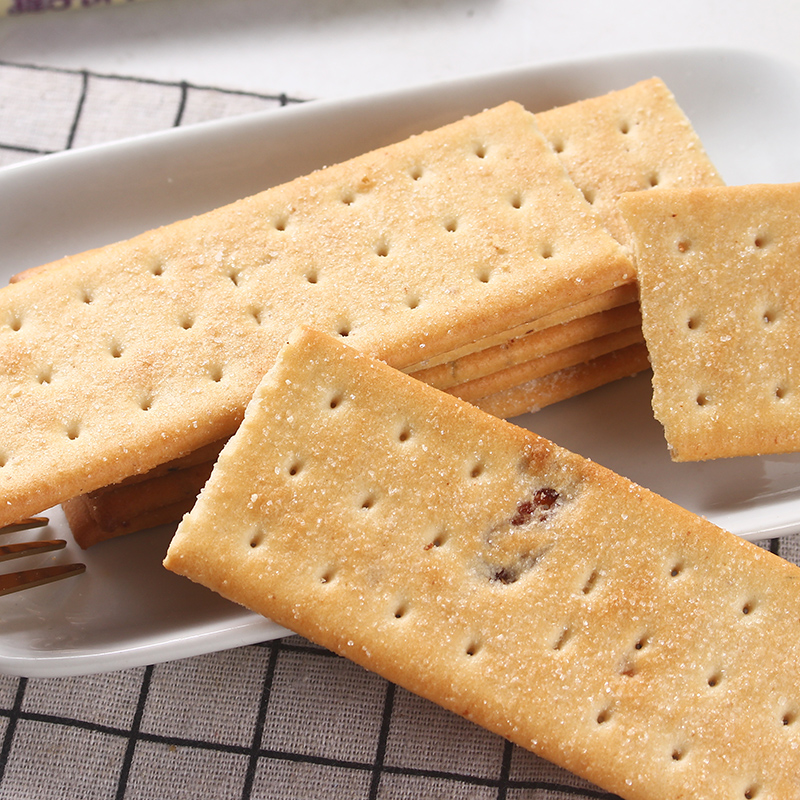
{"points": [[284, 719]]}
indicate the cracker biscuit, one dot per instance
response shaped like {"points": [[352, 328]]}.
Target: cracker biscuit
{"points": [[157, 497], [140, 352], [625, 141], [602, 301], [526, 371], [721, 316], [203, 455], [528, 589], [89, 529], [61, 262], [125, 507], [563, 384], [145, 505], [530, 345], [164, 494], [149, 499]]}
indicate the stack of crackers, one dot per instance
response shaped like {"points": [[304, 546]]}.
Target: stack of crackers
{"points": [[321, 357], [486, 258]]}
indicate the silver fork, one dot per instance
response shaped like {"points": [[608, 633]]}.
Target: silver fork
{"points": [[28, 578]]}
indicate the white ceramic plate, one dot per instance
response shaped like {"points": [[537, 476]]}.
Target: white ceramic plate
{"points": [[126, 610]]}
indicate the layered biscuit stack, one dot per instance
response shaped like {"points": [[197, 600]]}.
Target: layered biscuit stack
{"points": [[118, 361], [484, 258]]}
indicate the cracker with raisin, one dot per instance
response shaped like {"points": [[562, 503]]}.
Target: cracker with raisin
{"points": [[517, 584]]}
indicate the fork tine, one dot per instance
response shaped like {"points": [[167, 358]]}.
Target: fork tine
{"points": [[27, 579], [16, 581], [25, 525], [18, 549]]}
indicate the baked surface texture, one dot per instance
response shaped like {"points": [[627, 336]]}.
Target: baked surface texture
{"points": [[517, 584], [538, 393], [526, 371], [720, 298], [629, 140], [531, 345], [137, 353]]}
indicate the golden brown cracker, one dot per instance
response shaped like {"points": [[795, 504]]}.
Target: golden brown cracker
{"points": [[611, 298], [526, 371], [627, 140], [563, 384], [137, 353], [129, 505], [89, 530], [529, 346], [517, 584], [721, 316]]}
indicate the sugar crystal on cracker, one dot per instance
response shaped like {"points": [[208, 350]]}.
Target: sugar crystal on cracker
{"points": [[131, 355], [514, 583], [720, 301]]}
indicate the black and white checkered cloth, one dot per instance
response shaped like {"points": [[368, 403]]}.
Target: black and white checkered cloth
{"points": [[284, 719]]}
